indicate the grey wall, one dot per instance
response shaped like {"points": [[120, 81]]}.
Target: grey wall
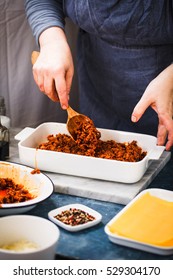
{"points": [[26, 105]]}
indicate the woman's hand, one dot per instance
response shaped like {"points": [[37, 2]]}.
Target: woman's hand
{"points": [[54, 69], [159, 95]]}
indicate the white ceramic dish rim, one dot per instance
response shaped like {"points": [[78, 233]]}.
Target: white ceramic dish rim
{"points": [[96, 214], [151, 153], [35, 200], [161, 193], [36, 250]]}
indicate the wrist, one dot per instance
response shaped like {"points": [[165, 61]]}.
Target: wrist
{"points": [[51, 35]]}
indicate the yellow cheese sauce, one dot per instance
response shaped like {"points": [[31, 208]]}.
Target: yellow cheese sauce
{"points": [[149, 220]]}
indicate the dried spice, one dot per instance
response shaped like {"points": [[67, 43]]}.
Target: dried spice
{"points": [[74, 217]]}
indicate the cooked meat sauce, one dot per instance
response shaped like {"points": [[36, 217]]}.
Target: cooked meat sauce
{"points": [[86, 133], [35, 171], [13, 193], [88, 143]]}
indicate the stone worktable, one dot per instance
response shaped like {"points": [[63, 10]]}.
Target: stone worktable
{"points": [[93, 243]]}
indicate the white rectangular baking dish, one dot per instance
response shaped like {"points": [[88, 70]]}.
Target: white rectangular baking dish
{"points": [[83, 166]]}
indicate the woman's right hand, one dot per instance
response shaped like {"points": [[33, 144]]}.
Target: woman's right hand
{"points": [[53, 71]]}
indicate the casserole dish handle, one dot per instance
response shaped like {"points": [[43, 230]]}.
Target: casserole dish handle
{"points": [[24, 133], [156, 152]]}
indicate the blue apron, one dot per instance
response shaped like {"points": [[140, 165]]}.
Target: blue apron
{"points": [[122, 46]]}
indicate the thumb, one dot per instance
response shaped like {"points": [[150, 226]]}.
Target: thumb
{"points": [[139, 109]]}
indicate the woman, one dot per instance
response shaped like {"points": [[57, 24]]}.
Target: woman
{"points": [[125, 51]]}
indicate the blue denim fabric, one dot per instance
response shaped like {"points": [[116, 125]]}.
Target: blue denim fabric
{"points": [[125, 22], [112, 79], [122, 46]]}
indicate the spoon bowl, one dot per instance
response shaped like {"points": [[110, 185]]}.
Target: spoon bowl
{"points": [[74, 122]]}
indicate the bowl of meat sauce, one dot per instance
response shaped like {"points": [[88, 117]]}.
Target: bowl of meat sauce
{"points": [[21, 189]]}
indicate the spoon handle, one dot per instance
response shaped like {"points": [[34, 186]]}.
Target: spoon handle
{"points": [[34, 57], [71, 112]]}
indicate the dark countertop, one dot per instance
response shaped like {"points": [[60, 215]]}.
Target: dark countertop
{"points": [[93, 243]]}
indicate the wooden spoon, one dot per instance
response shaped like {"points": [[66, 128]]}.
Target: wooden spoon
{"points": [[74, 118], [74, 122]]}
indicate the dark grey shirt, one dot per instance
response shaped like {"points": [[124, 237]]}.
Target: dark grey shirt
{"points": [[44, 14]]}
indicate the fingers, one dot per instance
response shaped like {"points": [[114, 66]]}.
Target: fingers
{"points": [[50, 90], [168, 124], [161, 135], [61, 89], [169, 143], [165, 126], [63, 84], [69, 78], [39, 81], [139, 109], [56, 90]]}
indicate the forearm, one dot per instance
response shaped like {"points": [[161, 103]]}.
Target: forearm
{"points": [[43, 14]]}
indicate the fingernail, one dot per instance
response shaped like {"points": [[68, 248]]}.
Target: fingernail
{"points": [[134, 119], [64, 107]]}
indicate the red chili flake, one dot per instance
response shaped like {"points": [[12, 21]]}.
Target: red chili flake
{"points": [[74, 217]]}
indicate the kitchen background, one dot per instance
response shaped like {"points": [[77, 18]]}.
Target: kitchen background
{"points": [[25, 104]]}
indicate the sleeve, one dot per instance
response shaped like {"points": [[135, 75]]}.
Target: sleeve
{"points": [[42, 14]]}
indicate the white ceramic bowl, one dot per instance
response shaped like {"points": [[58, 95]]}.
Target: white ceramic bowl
{"points": [[34, 229], [90, 211], [38, 184]]}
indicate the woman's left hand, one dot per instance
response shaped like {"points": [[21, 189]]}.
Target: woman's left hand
{"points": [[159, 95]]}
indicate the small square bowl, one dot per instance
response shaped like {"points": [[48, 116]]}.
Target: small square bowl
{"points": [[54, 212]]}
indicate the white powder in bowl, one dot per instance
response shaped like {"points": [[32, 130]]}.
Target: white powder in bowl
{"points": [[20, 246]]}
